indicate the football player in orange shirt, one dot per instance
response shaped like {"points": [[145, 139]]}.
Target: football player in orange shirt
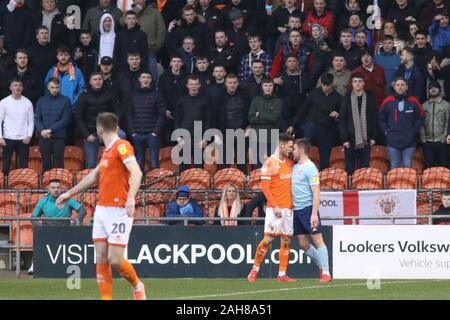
{"points": [[119, 178], [276, 186]]}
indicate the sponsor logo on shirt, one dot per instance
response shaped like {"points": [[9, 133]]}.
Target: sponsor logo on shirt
{"points": [[122, 149]]}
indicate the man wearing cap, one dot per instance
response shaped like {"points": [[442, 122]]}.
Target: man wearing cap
{"points": [[374, 78], [239, 31], [433, 133], [184, 206]]}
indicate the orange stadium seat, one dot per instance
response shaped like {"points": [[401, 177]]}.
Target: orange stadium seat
{"points": [[34, 159], [159, 179], [26, 233], [333, 179], [418, 161], [73, 158], [367, 179], [314, 155], [436, 178], [154, 211], [196, 178], [229, 175], [23, 179], [8, 204], [254, 182], [89, 202], [63, 175], [337, 157], [379, 158], [165, 159], [402, 178], [83, 173]]}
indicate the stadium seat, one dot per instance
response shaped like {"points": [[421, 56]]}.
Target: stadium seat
{"points": [[83, 173], [73, 158], [227, 176], [436, 178], [379, 159], [165, 159], [154, 211], [402, 178], [333, 179], [63, 175], [89, 202], [212, 205], [337, 157], [254, 181], [23, 179], [418, 162], [314, 155], [8, 204], [196, 179], [26, 233], [367, 179], [162, 179], [34, 159]]}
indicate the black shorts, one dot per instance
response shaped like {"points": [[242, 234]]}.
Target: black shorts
{"points": [[302, 222]]}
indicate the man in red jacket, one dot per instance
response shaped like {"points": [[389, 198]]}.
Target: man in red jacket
{"points": [[373, 77], [321, 16]]}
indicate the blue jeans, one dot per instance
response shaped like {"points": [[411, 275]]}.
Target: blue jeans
{"points": [[399, 157], [140, 143], [91, 149], [323, 138]]}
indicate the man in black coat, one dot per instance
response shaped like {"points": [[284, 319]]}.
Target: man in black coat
{"points": [[42, 54], [172, 85], [32, 86], [231, 112], [53, 19], [192, 110], [145, 119], [223, 53], [92, 102], [253, 84], [132, 38], [357, 124]]}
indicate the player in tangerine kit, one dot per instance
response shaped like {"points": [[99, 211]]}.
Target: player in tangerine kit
{"points": [[276, 186], [119, 178]]}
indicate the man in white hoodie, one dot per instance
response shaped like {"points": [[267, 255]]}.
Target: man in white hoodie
{"points": [[16, 126]]}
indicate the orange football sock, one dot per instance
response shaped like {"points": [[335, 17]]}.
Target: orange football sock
{"points": [[285, 249], [127, 271], [104, 280], [260, 254]]}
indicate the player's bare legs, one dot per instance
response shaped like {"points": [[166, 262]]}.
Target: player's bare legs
{"points": [[104, 273], [285, 249], [318, 254], [126, 270], [261, 251]]}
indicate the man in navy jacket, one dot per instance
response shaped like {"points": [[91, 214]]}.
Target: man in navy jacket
{"points": [[52, 116], [400, 118]]}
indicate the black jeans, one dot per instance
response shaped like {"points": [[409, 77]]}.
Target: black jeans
{"points": [[52, 149], [435, 154], [21, 150], [362, 156]]}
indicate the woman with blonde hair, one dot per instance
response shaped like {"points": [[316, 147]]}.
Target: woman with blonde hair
{"points": [[230, 206]]}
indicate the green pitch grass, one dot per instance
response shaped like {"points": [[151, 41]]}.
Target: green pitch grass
{"points": [[204, 289]]}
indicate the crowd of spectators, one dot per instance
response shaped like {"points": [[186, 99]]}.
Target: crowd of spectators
{"points": [[336, 72]]}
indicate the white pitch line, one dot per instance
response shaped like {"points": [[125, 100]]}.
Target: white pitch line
{"points": [[295, 288]]}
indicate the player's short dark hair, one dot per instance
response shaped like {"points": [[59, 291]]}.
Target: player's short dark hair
{"points": [[54, 180], [41, 28], [285, 138], [326, 78], [54, 80], [133, 54], [303, 144], [231, 76], [387, 37], [63, 49], [108, 121], [193, 77]]}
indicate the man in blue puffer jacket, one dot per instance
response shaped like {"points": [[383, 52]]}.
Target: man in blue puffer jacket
{"points": [[400, 118], [184, 206]]}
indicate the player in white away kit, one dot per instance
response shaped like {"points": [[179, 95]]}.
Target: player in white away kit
{"points": [[305, 186]]}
